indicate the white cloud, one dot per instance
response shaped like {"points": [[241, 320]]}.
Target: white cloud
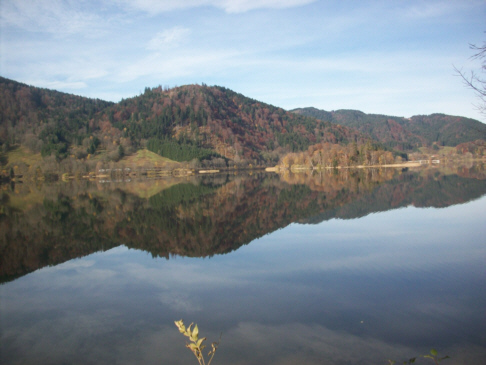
{"points": [[55, 16], [60, 85], [439, 9], [162, 66], [169, 37], [240, 6], [63, 74], [229, 6], [115, 48]]}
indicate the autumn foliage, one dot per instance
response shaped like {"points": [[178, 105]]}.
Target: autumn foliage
{"points": [[405, 134], [210, 126], [334, 155]]}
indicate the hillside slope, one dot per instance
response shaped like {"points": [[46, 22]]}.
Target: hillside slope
{"points": [[200, 119], [405, 133], [184, 123], [44, 120]]}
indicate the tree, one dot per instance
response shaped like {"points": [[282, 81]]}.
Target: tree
{"points": [[3, 159], [121, 151], [475, 81]]}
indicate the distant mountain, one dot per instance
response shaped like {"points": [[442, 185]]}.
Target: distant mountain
{"points": [[183, 123], [405, 133], [209, 126]]}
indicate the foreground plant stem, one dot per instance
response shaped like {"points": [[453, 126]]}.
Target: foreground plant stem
{"points": [[196, 345]]}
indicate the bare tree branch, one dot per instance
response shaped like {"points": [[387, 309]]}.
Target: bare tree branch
{"points": [[474, 81]]}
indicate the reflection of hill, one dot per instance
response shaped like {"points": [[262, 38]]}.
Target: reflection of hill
{"points": [[213, 215], [429, 189]]}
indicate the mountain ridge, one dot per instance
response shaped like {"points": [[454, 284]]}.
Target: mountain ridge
{"points": [[209, 125], [197, 120], [405, 133]]}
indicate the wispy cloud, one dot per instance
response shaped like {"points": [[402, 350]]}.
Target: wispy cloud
{"points": [[60, 85], [229, 6], [239, 6], [169, 37], [57, 16], [183, 64], [116, 48], [438, 9]]}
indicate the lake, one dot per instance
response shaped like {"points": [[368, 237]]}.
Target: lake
{"points": [[337, 267]]}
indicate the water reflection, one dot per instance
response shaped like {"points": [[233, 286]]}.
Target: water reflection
{"points": [[391, 284], [200, 217]]}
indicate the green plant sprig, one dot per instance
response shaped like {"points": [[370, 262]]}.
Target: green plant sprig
{"points": [[196, 344], [434, 357]]}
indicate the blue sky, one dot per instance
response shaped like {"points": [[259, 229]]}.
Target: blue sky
{"points": [[387, 57]]}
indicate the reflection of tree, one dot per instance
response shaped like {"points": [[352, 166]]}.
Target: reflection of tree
{"points": [[212, 217]]}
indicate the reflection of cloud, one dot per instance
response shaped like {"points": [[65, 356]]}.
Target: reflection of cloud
{"points": [[119, 250], [179, 302], [62, 339], [72, 265], [312, 344], [109, 322], [103, 338], [309, 344], [363, 244], [179, 275], [86, 277]]}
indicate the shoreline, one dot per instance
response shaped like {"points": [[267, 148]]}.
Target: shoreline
{"points": [[184, 172], [294, 168]]}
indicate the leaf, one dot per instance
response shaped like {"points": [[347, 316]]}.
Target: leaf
{"points": [[214, 346], [200, 341], [195, 332], [433, 352], [180, 326], [188, 331]]}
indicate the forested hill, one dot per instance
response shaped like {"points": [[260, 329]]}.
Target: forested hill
{"points": [[405, 133], [182, 123], [43, 119]]}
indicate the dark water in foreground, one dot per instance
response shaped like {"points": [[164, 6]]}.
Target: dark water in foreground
{"points": [[346, 268]]}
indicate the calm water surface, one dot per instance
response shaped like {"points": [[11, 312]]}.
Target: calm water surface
{"points": [[338, 269]]}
